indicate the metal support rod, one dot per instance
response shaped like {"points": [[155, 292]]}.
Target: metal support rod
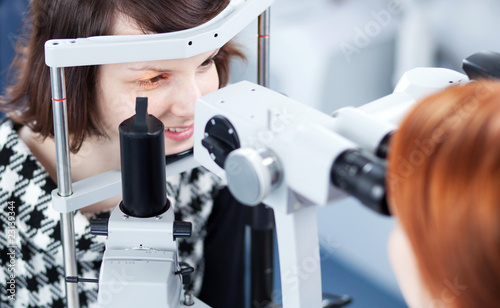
{"points": [[70, 268], [61, 131], [264, 28], [64, 180], [262, 217]]}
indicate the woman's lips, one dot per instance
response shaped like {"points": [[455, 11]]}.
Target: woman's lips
{"points": [[179, 133]]}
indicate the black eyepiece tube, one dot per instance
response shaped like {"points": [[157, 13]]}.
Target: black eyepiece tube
{"points": [[363, 177], [142, 150], [383, 148]]}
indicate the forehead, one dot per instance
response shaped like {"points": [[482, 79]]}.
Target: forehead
{"points": [[125, 25]]}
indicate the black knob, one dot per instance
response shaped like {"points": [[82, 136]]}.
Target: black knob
{"points": [[182, 229], [186, 273], [220, 139], [363, 177], [76, 279], [99, 226], [483, 64], [336, 301]]}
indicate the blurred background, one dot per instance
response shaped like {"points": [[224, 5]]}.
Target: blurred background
{"points": [[335, 53]]}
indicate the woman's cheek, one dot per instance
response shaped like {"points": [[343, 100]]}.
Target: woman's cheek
{"points": [[117, 109], [405, 268], [210, 82]]}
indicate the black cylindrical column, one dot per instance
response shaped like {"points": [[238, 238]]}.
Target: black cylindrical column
{"points": [[260, 218], [142, 148]]}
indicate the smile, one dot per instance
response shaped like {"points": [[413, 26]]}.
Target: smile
{"points": [[179, 133], [178, 130]]}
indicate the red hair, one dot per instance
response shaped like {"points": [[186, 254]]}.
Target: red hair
{"points": [[444, 187]]}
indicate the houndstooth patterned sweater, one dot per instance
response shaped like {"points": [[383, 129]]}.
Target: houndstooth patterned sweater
{"points": [[30, 238]]}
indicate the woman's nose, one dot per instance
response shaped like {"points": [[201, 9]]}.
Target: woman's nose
{"points": [[183, 98]]}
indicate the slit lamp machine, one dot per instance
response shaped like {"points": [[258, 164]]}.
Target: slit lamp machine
{"points": [[274, 153]]}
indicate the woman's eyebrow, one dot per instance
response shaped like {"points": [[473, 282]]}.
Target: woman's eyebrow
{"points": [[214, 54], [149, 68]]}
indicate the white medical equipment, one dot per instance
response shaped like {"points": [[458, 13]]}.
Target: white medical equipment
{"points": [[291, 157], [61, 53]]}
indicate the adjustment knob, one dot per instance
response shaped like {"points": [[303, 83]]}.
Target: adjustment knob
{"points": [[252, 174], [483, 64], [182, 229], [99, 226], [220, 139], [186, 273]]}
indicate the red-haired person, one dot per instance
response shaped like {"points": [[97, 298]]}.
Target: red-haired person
{"points": [[444, 189], [99, 98]]}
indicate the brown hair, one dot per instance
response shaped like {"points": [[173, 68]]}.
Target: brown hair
{"points": [[444, 187], [28, 99]]}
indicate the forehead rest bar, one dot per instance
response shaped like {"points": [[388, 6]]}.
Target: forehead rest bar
{"points": [[183, 44]]}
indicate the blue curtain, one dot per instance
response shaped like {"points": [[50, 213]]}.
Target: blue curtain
{"points": [[11, 18]]}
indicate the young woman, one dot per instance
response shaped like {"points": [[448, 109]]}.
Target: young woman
{"points": [[99, 98], [443, 187]]}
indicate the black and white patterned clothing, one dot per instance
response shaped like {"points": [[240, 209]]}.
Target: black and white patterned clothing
{"points": [[25, 189]]}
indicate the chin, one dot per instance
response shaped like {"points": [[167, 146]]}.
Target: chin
{"points": [[171, 149]]}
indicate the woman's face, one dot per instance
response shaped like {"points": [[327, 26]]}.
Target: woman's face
{"points": [[171, 86], [405, 267]]}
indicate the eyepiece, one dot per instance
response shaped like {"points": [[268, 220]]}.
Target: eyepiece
{"points": [[363, 177]]}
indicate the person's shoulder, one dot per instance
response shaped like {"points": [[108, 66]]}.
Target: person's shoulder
{"points": [[10, 142], [7, 132], [7, 122], [16, 160], [201, 173]]}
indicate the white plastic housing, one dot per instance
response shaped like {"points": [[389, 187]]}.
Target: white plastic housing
{"points": [[361, 128], [413, 86], [369, 124], [424, 81], [139, 278], [153, 47], [140, 259], [301, 137]]}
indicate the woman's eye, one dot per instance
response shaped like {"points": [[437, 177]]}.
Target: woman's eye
{"points": [[207, 63], [153, 82]]}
